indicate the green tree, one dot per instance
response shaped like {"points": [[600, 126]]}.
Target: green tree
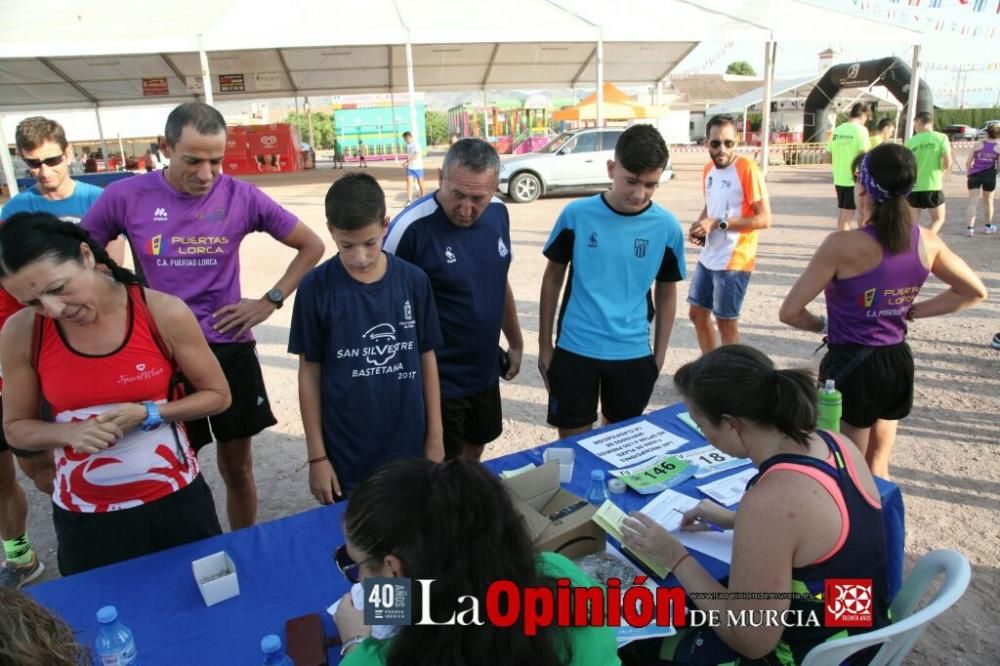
{"points": [[741, 67], [436, 123], [322, 128]]}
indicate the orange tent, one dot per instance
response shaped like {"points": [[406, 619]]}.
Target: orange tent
{"points": [[617, 106]]}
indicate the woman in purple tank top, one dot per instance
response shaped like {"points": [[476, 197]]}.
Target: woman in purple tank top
{"points": [[872, 277], [981, 168]]}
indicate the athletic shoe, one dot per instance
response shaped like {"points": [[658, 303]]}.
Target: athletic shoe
{"points": [[991, 228], [996, 341], [407, 204], [970, 232], [18, 575]]}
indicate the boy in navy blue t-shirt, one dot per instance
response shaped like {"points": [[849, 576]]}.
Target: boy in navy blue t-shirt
{"points": [[365, 328], [619, 243]]}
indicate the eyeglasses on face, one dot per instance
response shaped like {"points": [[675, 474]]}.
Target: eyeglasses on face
{"points": [[347, 566], [53, 161], [728, 143]]}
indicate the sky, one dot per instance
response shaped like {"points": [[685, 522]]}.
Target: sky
{"points": [[939, 48]]}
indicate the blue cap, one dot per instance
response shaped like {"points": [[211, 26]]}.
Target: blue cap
{"points": [[107, 614], [597, 475], [270, 643]]}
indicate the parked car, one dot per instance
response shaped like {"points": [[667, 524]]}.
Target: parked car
{"points": [[981, 132], [574, 161], [959, 132]]}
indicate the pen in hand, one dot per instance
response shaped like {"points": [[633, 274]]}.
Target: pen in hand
{"points": [[702, 521]]}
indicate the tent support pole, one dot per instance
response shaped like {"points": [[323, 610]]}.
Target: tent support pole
{"points": [[206, 74], [911, 101], [765, 126], [395, 128], [600, 80], [414, 127], [100, 133]]}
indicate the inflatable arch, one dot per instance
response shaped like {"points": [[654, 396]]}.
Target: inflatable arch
{"points": [[892, 73]]}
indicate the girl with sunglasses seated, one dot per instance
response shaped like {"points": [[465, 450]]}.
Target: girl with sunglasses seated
{"points": [[812, 513], [104, 354], [453, 522]]}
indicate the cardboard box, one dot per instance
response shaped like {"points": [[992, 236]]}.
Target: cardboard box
{"points": [[565, 458], [216, 577], [537, 496]]}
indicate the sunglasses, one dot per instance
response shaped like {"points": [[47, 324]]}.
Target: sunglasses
{"points": [[728, 143], [53, 161], [347, 566]]}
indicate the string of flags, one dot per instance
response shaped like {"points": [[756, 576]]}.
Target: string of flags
{"points": [[911, 13]]}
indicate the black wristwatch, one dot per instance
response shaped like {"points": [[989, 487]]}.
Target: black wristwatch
{"points": [[275, 297]]}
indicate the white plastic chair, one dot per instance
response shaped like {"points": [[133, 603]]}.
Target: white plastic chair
{"points": [[907, 627]]}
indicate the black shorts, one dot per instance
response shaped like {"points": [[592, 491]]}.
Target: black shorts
{"points": [[90, 540], [576, 381], [929, 199], [845, 197], [987, 180], [250, 412], [878, 386], [476, 419]]}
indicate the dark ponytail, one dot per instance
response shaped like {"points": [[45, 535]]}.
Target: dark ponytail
{"points": [[27, 237], [891, 172], [741, 381]]}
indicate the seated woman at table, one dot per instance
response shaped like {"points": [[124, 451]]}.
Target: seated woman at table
{"points": [[872, 277], [454, 523], [103, 353], [812, 513], [32, 636]]}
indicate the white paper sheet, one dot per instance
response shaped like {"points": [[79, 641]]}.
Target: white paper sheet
{"points": [[667, 509], [711, 461], [633, 444], [729, 490]]}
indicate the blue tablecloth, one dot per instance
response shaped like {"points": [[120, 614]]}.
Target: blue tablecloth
{"points": [[285, 569], [102, 179]]}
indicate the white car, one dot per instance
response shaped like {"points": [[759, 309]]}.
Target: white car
{"points": [[981, 132], [574, 161]]}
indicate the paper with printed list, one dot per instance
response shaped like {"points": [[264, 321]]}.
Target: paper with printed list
{"points": [[727, 491], [669, 507], [632, 444]]}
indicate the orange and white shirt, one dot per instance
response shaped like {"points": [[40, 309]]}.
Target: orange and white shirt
{"points": [[730, 193]]}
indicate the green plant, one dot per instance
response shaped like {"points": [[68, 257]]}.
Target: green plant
{"points": [[436, 123], [740, 67], [322, 128]]}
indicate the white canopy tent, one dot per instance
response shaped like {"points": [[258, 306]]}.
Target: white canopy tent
{"points": [[98, 53]]}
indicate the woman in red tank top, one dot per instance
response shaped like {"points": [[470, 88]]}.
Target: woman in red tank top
{"points": [[104, 354]]}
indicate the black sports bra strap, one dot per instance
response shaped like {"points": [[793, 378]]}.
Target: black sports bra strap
{"points": [[803, 460]]}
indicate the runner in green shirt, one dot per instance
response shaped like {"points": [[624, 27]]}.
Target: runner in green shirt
{"points": [[886, 131], [847, 141], [933, 155]]}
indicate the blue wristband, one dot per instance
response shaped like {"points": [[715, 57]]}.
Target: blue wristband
{"points": [[153, 418]]}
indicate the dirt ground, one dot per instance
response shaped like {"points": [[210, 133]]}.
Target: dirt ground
{"points": [[945, 459]]}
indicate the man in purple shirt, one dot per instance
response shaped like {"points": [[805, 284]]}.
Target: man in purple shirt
{"points": [[185, 224]]}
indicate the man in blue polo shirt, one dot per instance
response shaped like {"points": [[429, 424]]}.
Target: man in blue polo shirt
{"points": [[619, 243], [460, 237]]}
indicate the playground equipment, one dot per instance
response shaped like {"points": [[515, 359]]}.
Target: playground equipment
{"points": [[378, 126]]}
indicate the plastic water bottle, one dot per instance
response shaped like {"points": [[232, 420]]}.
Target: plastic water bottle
{"points": [[114, 645], [829, 407], [274, 655], [597, 494]]}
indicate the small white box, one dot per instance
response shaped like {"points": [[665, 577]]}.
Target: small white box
{"points": [[216, 577], [565, 457]]}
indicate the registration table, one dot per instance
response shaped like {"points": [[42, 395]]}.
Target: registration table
{"points": [[285, 569]]}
